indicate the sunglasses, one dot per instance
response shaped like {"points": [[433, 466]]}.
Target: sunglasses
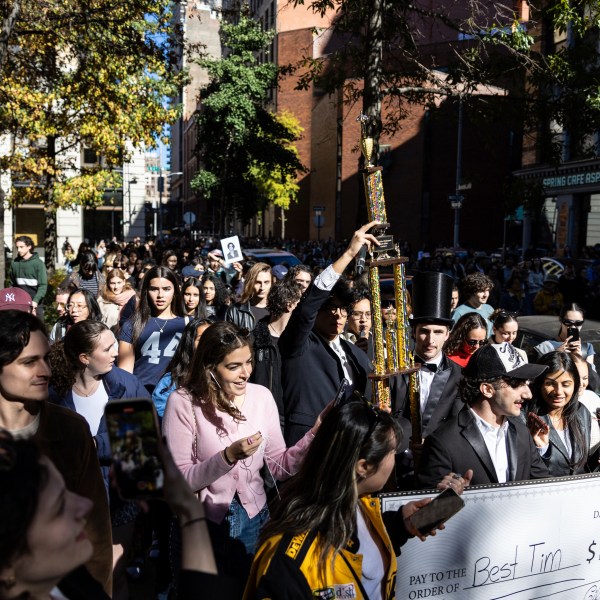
{"points": [[474, 343], [332, 309], [570, 322], [229, 338]]}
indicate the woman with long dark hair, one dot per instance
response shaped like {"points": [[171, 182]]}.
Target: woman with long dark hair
{"points": [[466, 337], [148, 340], [565, 441], [216, 296], [222, 430], [87, 277], [194, 300], [330, 517], [85, 379]]}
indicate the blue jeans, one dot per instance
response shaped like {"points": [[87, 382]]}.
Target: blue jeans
{"points": [[244, 528]]}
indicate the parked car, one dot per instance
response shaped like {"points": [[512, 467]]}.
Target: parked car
{"points": [[272, 256], [535, 329]]}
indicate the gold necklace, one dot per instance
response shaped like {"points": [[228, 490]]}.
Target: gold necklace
{"points": [[80, 393]]}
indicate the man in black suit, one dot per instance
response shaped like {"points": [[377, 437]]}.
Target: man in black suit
{"points": [[438, 377], [358, 328], [487, 435], [315, 358]]}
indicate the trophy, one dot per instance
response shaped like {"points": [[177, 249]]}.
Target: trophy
{"points": [[392, 355]]}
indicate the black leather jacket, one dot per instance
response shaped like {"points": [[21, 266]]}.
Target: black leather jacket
{"points": [[241, 315]]}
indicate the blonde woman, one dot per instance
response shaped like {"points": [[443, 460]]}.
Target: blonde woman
{"points": [[116, 297]]}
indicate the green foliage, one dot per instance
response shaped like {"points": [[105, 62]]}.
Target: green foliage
{"points": [[247, 154]]}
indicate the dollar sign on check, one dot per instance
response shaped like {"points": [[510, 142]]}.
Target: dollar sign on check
{"points": [[593, 554]]}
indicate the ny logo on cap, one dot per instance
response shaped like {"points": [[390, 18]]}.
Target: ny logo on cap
{"points": [[9, 297]]}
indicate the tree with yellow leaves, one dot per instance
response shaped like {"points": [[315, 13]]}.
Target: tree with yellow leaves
{"points": [[73, 74]]}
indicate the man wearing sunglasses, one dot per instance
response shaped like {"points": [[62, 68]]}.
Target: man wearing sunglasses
{"points": [[315, 358], [487, 436]]}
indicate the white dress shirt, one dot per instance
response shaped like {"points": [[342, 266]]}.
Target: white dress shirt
{"points": [[495, 441]]}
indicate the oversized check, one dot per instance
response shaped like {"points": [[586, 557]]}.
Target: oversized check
{"points": [[518, 541]]}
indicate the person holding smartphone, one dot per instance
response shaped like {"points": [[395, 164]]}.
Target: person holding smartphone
{"points": [[564, 442], [84, 379], [329, 532], [44, 546], [222, 431], [568, 338]]}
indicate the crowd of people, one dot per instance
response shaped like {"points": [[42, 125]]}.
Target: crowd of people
{"points": [[242, 362]]}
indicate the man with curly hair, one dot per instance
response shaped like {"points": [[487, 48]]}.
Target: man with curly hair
{"points": [[476, 289]]}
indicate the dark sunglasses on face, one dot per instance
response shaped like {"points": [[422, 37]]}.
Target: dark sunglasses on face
{"points": [[332, 309], [571, 323], [474, 343]]}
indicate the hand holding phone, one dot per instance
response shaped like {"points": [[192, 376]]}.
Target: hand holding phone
{"points": [[339, 396], [432, 515], [573, 333], [134, 441]]}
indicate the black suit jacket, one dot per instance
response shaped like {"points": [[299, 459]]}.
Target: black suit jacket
{"points": [[311, 371], [557, 457], [443, 401], [458, 446]]}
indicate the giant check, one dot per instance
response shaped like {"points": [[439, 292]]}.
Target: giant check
{"points": [[519, 541]]}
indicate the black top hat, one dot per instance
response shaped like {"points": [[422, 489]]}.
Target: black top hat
{"points": [[431, 298]]}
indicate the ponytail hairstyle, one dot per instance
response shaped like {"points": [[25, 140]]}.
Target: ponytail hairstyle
{"points": [[81, 338]]}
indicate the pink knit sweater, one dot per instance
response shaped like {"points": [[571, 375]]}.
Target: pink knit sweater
{"points": [[208, 473]]}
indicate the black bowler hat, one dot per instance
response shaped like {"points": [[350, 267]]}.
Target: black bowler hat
{"points": [[431, 298]]}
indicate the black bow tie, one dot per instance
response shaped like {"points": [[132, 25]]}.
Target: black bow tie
{"points": [[432, 367]]}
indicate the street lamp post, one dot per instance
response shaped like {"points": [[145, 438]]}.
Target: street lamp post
{"points": [[458, 199]]}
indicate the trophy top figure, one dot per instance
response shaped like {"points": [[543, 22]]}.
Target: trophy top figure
{"points": [[366, 141]]}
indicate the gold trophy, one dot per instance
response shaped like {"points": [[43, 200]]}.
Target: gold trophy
{"points": [[387, 254]]}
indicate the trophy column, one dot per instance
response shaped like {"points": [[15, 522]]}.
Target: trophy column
{"points": [[392, 355]]}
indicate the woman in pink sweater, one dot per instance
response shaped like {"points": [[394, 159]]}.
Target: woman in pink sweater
{"points": [[222, 430]]}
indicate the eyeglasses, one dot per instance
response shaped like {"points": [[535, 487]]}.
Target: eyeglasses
{"points": [[360, 315], [570, 322], [474, 343], [76, 306], [332, 309]]}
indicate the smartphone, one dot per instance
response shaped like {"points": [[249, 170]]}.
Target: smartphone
{"points": [[134, 438], [438, 511], [573, 333], [534, 422], [339, 396]]}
